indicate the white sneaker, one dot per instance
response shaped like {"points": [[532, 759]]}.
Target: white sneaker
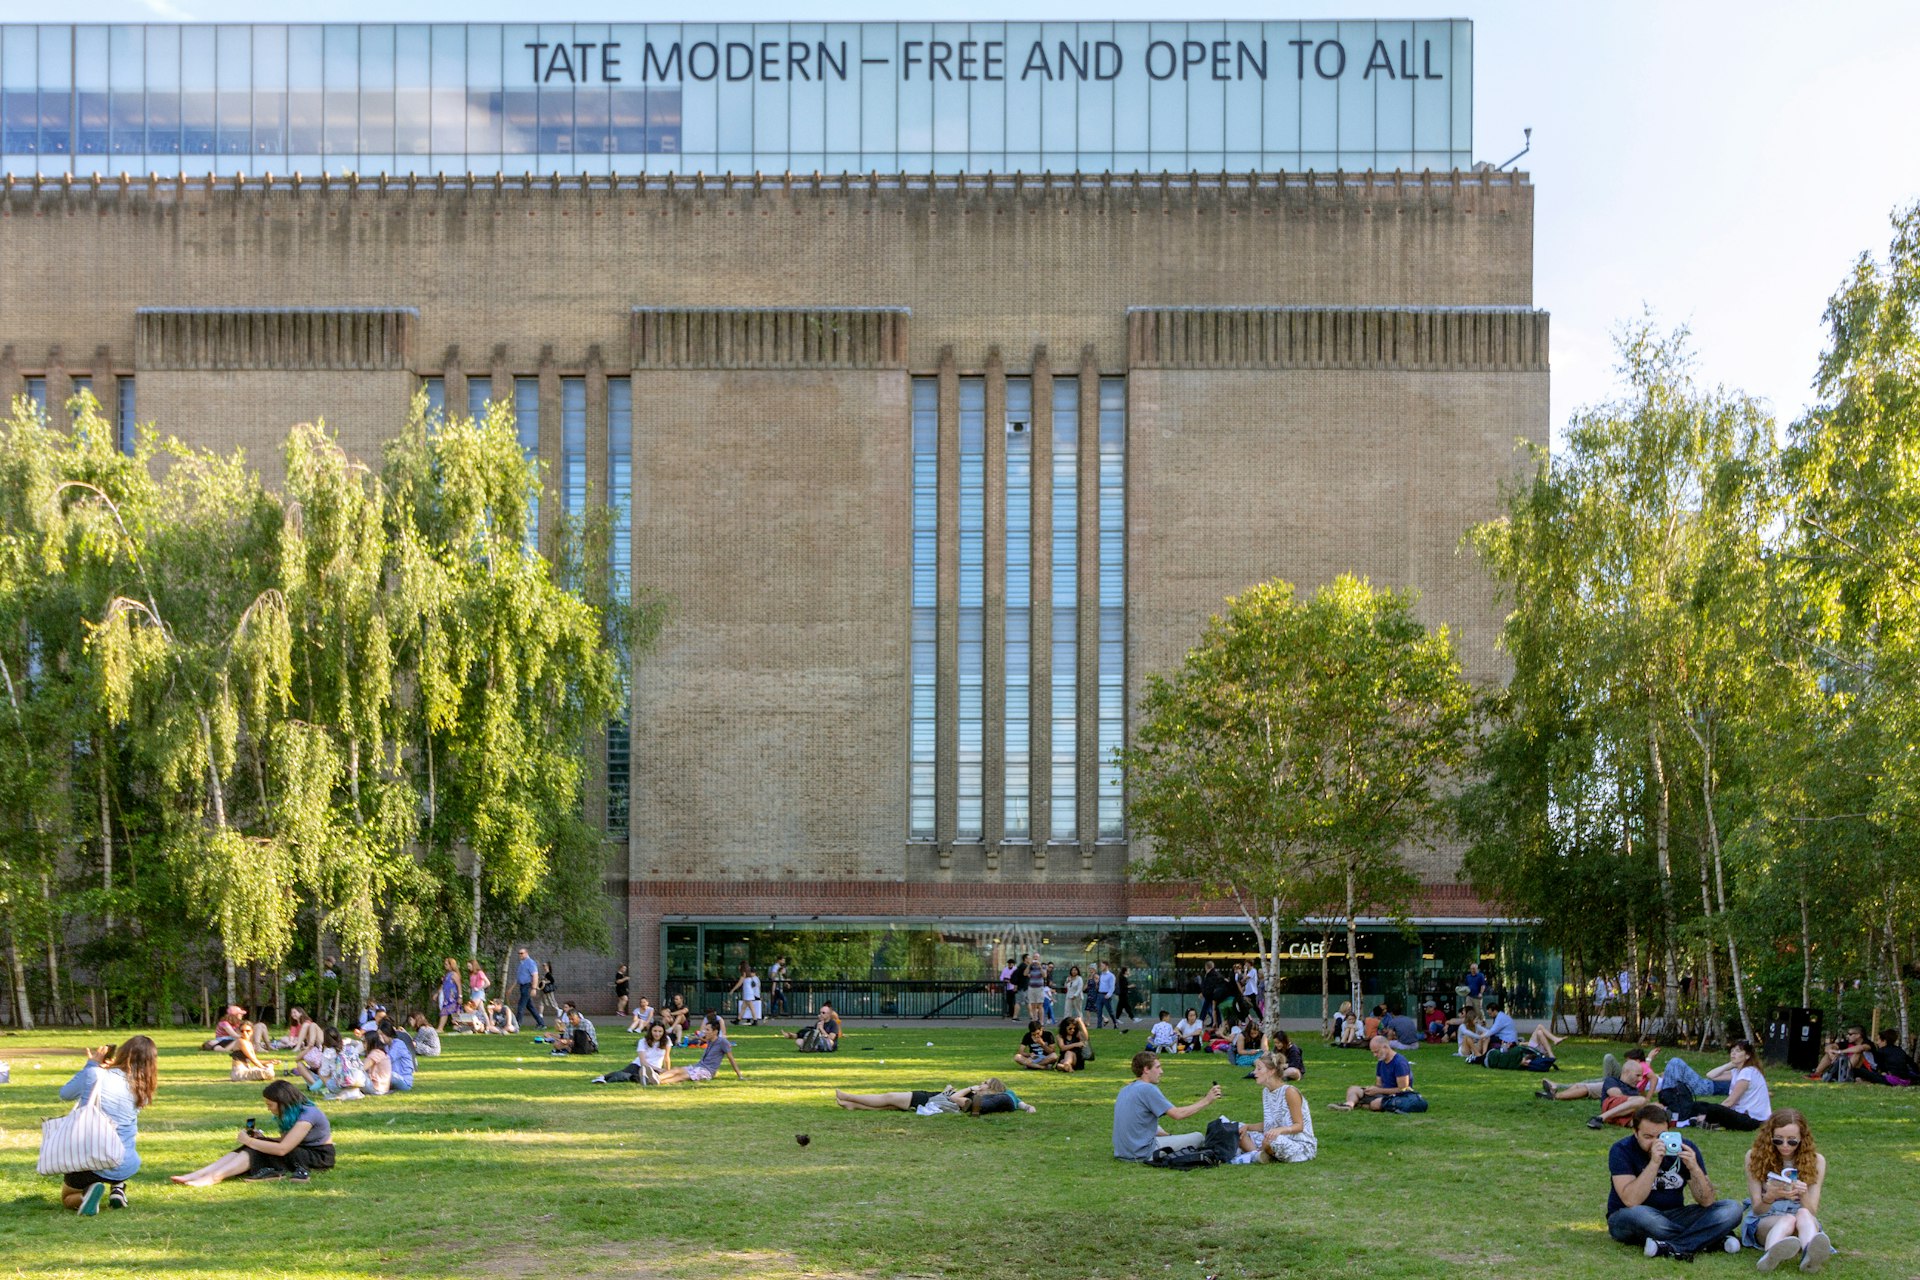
{"points": [[1652, 1249], [1778, 1252], [1818, 1250]]}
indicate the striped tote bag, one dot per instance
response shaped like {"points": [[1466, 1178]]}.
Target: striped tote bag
{"points": [[81, 1141]]}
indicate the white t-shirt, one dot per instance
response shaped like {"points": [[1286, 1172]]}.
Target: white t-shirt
{"points": [[1250, 985], [1162, 1033], [1188, 1028], [1755, 1102], [654, 1056], [750, 988]]}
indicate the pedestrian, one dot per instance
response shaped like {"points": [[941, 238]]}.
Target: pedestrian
{"points": [[548, 1001], [1123, 997], [777, 988], [622, 991], [1104, 986], [449, 991], [1036, 988], [527, 975], [1076, 1006], [477, 983]]}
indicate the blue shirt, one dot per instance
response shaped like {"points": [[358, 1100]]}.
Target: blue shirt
{"points": [[1136, 1120], [525, 973], [1388, 1073], [1106, 983], [400, 1054], [1476, 983], [116, 1100], [1502, 1031]]}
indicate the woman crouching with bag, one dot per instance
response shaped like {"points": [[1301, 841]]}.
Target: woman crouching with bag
{"points": [[125, 1077], [305, 1143]]}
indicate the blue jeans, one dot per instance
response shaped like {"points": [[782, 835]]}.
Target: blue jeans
{"points": [[1103, 1008], [1675, 1071], [1689, 1229], [525, 1009]]}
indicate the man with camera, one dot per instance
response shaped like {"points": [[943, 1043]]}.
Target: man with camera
{"points": [[1652, 1169]]}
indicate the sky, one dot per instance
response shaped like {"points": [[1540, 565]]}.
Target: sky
{"points": [[1722, 166]]}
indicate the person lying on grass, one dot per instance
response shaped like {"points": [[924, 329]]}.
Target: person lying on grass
{"points": [[1392, 1089], [717, 1048], [304, 1143], [1615, 1083], [990, 1097]]}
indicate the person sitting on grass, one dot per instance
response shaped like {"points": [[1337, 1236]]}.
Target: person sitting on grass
{"points": [[1785, 1174], [1435, 1022], [1160, 1036], [227, 1030], [1889, 1063], [1249, 1044], [1392, 1089], [1472, 1037], [248, 1066], [573, 1034], [983, 1099], [1402, 1032], [426, 1041], [1293, 1064], [305, 1143], [1646, 1204], [643, 1013], [822, 1037], [1501, 1033], [400, 1057], [468, 1019], [126, 1077], [259, 1034], [1285, 1132], [1189, 1034], [1039, 1050], [718, 1047], [500, 1019], [1076, 1051], [653, 1056], [1615, 1082], [1138, 1107], [676, 1015]]}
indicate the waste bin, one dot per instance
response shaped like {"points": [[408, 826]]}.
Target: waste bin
{"points": [[1794, 1037]]}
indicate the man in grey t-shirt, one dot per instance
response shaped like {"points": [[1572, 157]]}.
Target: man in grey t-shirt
{"points": [[1138, 1108]]}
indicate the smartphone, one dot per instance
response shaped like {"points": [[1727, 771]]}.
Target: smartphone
{"points": [[250, 1124]]}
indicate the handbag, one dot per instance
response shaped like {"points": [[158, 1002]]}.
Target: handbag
{"points": [[81, 1141]]}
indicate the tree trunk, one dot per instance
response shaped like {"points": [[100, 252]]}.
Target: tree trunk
{"points": [[57, 1006], [17, 974], [1806, 946], [1633, 977], [106, 829], [1710, 1007], [217, 795], [1326, 991], [1708, 788], [232, 987], [473, 926], [1898, 974], [1353, 946], [363, 973], [1663, 857]]}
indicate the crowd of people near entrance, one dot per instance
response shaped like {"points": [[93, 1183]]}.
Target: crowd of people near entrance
{"points": [[1661, 1198]]}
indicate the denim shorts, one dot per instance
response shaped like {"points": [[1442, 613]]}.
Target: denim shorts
{"points": [[1751, 1224]]}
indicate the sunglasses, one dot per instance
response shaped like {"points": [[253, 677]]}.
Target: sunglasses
{"points": [[1786, 1142]]}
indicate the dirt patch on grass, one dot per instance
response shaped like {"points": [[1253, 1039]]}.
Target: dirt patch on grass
{"points": [[10, 1050], [633, 1262]]}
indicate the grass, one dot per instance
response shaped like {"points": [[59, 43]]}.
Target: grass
{"points": [[506, 1163]]}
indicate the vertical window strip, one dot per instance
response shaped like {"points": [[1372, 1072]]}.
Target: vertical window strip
{"points": [[479, 390], [970, 795], [129, 429], [526, 417], [1065, 598], [573, 445], [436, 389], [1017, 655], [1112, 716], [620, 582], [925, 640], [37, 392]]}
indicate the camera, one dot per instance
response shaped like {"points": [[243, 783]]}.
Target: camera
{"points": [[1671, 1142]]}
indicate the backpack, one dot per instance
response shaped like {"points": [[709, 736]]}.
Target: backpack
{"points": [[1220, 1146], [1678, 1100]]}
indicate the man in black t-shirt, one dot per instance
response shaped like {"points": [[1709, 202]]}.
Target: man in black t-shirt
{"points": [[1039, 1050], [1647, 1203]]}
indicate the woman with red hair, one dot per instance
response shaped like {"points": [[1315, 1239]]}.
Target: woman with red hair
{"points": [[1785, 1175]]}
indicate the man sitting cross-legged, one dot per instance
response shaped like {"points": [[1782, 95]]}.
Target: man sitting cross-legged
{"points": [[1138, 1107], [1392, 1089], [1652, 1169], [1039, 1050]]}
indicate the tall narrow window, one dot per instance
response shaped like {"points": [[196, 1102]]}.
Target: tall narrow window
{"points": [[436, 389], [526, 417], [926, 612], [1113, 606], [1065, 823], [573, 445], [973, 598], [620, 579], [128, 425], [37, 392], [479, 391], [1018, 649]]}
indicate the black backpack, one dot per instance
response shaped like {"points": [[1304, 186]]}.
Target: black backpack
{"points": [[1221, 1145]]}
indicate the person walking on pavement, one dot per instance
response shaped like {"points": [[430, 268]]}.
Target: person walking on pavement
{"points": [[1103, 996], [527, 974]]}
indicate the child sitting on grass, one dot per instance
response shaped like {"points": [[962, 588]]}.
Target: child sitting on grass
{"points": [[1160, 1035]]}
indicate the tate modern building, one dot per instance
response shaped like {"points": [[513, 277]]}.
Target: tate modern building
{"points": [[945, 378]]}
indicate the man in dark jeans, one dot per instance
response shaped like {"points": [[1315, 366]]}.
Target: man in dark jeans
{"points": [[1647, 1203], [526, 973]]}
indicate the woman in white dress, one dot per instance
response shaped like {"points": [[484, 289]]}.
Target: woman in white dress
{"points": [[1285, 1133]]}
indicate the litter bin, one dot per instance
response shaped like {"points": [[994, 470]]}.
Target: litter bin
{"points": [[1794, 1037]]}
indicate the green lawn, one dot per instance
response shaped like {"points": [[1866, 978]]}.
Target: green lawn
{"points": [[506, 1163]]}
